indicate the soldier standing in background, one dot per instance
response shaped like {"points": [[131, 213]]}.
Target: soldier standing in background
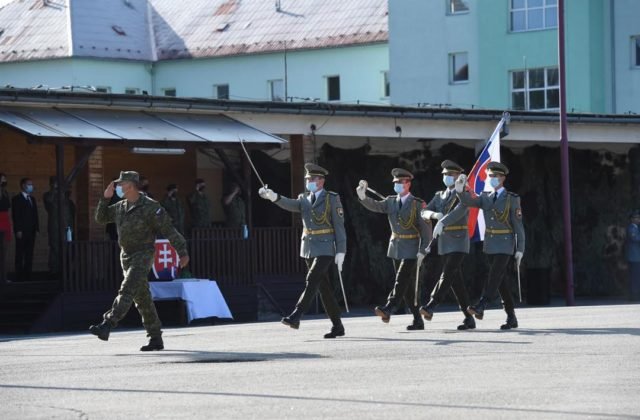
{"points": [[453, 244], [234, 207], [50, 200], [199, 206], [174, 207], [5, 205], [504, 235], [324, 242], [139, 220], [410, 237]]}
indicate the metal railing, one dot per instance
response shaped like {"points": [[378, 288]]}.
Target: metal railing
{"points": [[222, 254]]}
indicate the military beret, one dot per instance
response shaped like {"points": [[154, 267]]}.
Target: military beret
{"points": [[635, 213], [131, 176], [399, 174], [497, 168], [449, 165], [172, 187], [314, 170]]}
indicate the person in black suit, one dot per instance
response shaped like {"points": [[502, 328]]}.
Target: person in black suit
{"points": [[24, 212]]}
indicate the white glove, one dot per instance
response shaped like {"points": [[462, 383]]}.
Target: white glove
{"points": [[420, 256], [437, 230], [437, 215], [428, 214], [361, 190], [267, 194], [460, 183], [518, 257], [340, 260]]}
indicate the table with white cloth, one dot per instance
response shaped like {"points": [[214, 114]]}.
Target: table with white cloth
{"points": [[202, 297]]}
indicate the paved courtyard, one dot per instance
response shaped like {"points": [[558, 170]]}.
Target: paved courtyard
{"points": [[563, 363]]}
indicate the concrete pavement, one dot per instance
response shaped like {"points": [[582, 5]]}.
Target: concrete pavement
{"points": [[562, 363]]}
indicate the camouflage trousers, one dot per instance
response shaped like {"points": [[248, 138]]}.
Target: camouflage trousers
{"points": [[135, 290]]}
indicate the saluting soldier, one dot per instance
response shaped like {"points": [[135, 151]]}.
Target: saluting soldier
{"points": [[410, 237], [174, 207], [504, 236], [453, 244], [324, 242], [139, 219]]}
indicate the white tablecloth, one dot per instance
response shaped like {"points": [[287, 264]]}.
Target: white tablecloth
{"points": [[203, 297]]}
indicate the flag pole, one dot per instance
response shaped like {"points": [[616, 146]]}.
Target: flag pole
{"points": [[564, 162]]}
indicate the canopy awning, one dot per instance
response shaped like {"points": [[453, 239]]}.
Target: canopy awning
{"points": [[132, 128]]}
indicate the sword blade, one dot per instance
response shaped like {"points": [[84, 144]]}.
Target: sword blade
{"points": [[255, 171], [344, 295], [371, 190], [519, 288]]}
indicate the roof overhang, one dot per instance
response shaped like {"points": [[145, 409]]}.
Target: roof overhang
{"points": [[133, 128]]}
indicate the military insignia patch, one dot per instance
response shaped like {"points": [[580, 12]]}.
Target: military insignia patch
{"points": [[519, 213], [340, 212]]}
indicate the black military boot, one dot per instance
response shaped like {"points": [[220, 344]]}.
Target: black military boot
{"points": [[427, 310], [293, 320], [384, 312], [101, 330], [155, 343], [478, 309], [336, 331], [468, 324], [417, 324], [512, 322]]}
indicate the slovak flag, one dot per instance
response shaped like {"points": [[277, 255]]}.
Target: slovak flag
{"points": [[476, 181], [166, 262]]}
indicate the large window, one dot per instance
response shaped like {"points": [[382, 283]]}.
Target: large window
{"points": [[530, 15], [276, 90], [103, 89], [132, 91], [635, 53], [333, 88], [221, 91], [457, 6], [458, 68], [169, 91], [535, 89]]}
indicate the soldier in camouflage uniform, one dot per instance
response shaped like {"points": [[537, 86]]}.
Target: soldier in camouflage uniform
{"points": [[174, 207], [410, 237], [199, 206], [453, 244], [234, 207], [324, 242], [139, 219], [504, 236]]}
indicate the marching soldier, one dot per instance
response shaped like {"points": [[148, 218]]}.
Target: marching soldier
{"points": [[410, 237], [453, 244], [504, 235], [139, 219], [324, 242]]}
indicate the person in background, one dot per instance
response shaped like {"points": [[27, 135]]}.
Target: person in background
{"points": [[24, 212], [174, 207], [110, 228], [199, 206], [5, 206], [234, 207], [50, 200], [144, 186], [632, 248]]}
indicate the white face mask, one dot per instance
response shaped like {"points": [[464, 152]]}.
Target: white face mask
{"points": [[119, 191], [398, 188], [312, 186], [494, 182], [448, 180]]}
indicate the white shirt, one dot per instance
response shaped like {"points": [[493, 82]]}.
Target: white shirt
{"points": [[499, 192], [404, 198], [317, 194]]}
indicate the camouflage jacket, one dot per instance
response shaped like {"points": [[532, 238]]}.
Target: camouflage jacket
{"points": [[174, 207], [199, 208], [139, 224]]}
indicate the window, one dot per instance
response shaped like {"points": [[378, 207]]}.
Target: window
{"points": [[276, 90], [535, 89], [221, 91], [169, 91], [457, 6], [635, 53], [333, 88], [530, 15], [459, 68], [132, 91], [386, 85], [103, 89]]}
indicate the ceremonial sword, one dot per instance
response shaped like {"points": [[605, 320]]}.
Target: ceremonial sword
{"points": [[518, 272], [255, 171], [415, 296]]}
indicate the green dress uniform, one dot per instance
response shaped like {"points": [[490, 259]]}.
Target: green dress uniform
{"points": [[504, 235], [138, 224], [409, 235], [453, 246], [323, 237]]}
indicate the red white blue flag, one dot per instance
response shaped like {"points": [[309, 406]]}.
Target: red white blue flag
{"points": [[476, 181]]}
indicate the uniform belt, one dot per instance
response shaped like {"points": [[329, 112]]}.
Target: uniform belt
{"points": [[317, 231], [408, 236], [458, 227], [498, 231]]}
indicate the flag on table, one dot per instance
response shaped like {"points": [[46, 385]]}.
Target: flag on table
{"points": [[476, 181]]}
